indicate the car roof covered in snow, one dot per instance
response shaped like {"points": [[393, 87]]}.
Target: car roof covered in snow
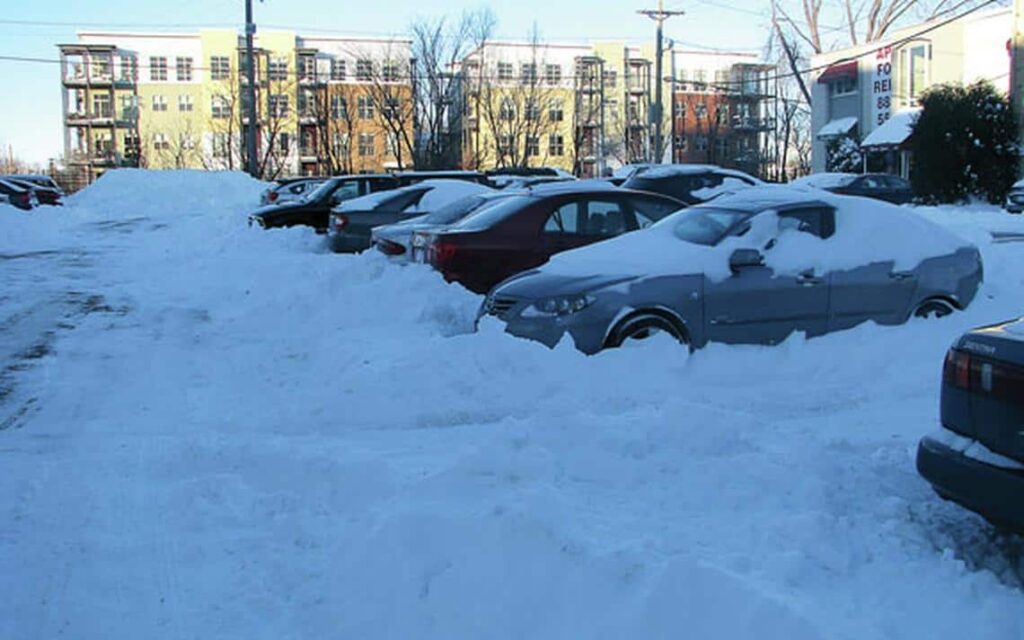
{"points": [[673, 170], [828, 180]]}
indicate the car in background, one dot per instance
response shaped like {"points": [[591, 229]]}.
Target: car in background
{"points": [[313, 208], [44, 194], [522, 231], [406, 178], [395, 240], [39, 180], [749, 267], [689, 183], [289, 189], [879, 186], [975, 457], [19, 196], [1015, 199], [352, 221]]}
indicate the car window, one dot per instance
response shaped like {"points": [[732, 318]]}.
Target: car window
{"points": [[871, 182], [345, 191], [813, 220], [896, 182], [564, 219], [492, 214], [298, 187], [705, 225], [604, 218], [649, 210]]}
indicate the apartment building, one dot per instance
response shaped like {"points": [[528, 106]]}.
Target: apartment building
{"points": [[587, 108], [722, 110], [160, 100], [870, 93]]}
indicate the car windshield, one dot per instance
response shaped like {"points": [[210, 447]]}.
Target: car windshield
{"points": [[705, 225], [320, 191], [455, 211], [492, 214]]}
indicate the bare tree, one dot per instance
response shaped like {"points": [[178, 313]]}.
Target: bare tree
{"points": [[393, 104]]}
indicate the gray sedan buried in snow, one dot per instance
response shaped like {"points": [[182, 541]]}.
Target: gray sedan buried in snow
{"points": [[751, 267]]}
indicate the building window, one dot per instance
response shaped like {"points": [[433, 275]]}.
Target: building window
{"points": [[101, 105], [364, 70], [391, 144], [699, 78], [913, 72], [533, 145], [340, 143], [701, 110], [159, 103], [556, 145], [128, 108], [507, 111], [365, 108], [721, 148], [504, 71], [528, 73], [553, 73], [701, 143], [158, 69], [183, 69], [278, 106], [187, 142], [366, 144], [307, 104], [392, 108], [389, 71], [679, 109], [160, 142], [277, 69], [610, 78], [505, 144], [556, 112], [220, 68], [219, 107], [681, 143], [221, 144], [532, 110], [721, 78], [842, 87], [129, 70], [339, 108], [284, 143], [307, 68], [722, 115], [185, 103], [338, 70]]}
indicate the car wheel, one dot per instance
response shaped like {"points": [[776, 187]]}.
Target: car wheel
{"points": [[934, 309], [644, 327]]}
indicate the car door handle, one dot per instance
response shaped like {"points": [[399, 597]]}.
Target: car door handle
{"points": [[809, 279], [901, 275]]}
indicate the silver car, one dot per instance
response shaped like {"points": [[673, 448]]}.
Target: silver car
{"points": [[290, 190], [750, 267]]}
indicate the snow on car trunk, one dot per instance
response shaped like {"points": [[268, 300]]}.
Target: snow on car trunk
{"points": [[252, 439]]}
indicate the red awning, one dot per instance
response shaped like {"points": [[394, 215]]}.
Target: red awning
{"points": [[839, 71]]}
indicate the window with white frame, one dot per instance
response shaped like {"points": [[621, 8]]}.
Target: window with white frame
{"points": [[187, 142], [158, 69], [533, 145], [101, 105], [339, 70], [505, 144], [220, 68], [277, 68], [159, 103], [556, 110], [553, 73], [185, 103], [364, 106], [556, 145], [507, 111], [611, 78], [722, 115], [284, 143], [531, 110], [220, 107], [914, 71], [221, 145], [366, 144], [700, 143], [183, 69], [278, 105], [504, 71], [160, 142], [528, 73], [389, 71], [679, 109], [391, 144], [340, 142], [307, 67], [364, 70], [339, 108], [129, 68], [392, 108], [844, 86]]}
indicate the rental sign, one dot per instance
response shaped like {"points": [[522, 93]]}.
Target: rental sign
{"points": [[881, 86]]}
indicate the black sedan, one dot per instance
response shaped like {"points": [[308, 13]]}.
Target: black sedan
{"points": [[976, 457], [879, 186], [689, 183], [314, 208]]}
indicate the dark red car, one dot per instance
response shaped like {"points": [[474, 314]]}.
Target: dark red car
{"points": [[522, 231]]}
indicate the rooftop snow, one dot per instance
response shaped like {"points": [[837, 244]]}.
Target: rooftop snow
{"points": [[837, 127], [894, 131]]}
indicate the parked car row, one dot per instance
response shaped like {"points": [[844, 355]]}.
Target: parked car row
{"points": [[29, 191]]}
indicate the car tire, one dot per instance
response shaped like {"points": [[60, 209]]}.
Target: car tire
{"points": [[934, 308], [643, 326]]}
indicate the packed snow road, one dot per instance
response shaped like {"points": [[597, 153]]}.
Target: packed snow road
{"points": [[213, 431]]}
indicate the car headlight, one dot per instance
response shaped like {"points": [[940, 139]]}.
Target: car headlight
{"points": [[559, 305]]}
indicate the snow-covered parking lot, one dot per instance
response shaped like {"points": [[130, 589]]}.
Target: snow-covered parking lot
{"points": [[212, 431]]}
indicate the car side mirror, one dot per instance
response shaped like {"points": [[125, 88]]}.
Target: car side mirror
{"points": [[741, 258]]}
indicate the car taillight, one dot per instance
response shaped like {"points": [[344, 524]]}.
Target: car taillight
{"points": [[390, 248], [272, 197], [441, 253], [956, 370], [339, 221]]}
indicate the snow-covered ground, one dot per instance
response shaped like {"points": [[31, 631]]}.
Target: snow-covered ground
{"points": [[210, 431]]}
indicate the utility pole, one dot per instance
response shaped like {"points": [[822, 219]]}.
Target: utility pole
{"points": [[1017, 75], [660, 15], [252, 163]]}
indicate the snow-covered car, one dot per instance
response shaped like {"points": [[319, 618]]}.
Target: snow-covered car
{"points": [[1015, 199], [395, 240], [880, 186], [352, 221], [20, 196], [749, 267], [291, 189], [976, 456], [690, 183]]}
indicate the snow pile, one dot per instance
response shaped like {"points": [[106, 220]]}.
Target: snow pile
{"points": [[894, 131], [231, 435]]}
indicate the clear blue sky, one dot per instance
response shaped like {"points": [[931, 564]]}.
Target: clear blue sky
{"points": [[30, 118]]}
